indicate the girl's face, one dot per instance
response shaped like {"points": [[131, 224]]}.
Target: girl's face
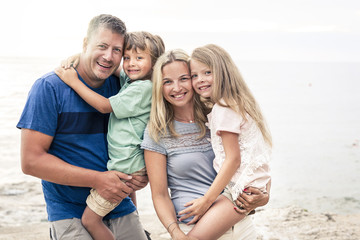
{"points": [[202, 78], [177, 88], [137, 64]]}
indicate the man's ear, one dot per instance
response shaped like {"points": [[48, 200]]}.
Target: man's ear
{"points": [[85, 43]]}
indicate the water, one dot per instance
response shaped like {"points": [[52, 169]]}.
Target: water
{"points": [[313, 110]]}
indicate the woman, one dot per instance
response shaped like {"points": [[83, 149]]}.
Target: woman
{"points": [[178, 154]]}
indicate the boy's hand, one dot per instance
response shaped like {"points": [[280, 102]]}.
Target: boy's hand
{"points": [[72, 61], [67, 75], [198, 208]]}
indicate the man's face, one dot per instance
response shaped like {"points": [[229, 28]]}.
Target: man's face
{"points": [[102, 55]]}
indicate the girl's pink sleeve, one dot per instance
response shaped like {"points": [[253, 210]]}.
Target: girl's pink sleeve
{"points": [[225, 119]]}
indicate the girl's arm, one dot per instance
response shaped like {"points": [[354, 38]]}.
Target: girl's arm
{"points": [[156, 170], [199, 206], [69, 76]]}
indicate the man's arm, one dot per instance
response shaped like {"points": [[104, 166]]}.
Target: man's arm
{"points": [[36, 161]]}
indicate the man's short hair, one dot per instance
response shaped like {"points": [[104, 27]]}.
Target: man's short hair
{"points": [[108, 21]]}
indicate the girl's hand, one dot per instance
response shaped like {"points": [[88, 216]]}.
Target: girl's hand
{"points": [[72, 61], [198, 208], [68, 76], [250, 199]]}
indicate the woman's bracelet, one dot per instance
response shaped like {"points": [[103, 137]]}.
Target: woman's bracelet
{"points": [[170, 225]]}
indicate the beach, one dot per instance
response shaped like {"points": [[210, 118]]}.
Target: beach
{"points": [[315, 122], [26, 218]]}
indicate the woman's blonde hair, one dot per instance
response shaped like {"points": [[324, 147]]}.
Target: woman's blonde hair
{"points": [[145, 41], [229, 86], [162, 113]]}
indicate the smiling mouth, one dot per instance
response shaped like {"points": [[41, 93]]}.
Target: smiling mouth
{"points": [[204, 88], [179, 96], [104, 66], [133, 71]]}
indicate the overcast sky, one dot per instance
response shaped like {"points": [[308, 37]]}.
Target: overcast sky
{"points": [[296, 29]]}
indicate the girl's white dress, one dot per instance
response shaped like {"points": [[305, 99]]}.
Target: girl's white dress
{"points": [[255, 153]]}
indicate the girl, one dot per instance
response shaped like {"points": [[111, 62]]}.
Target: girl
{"points": [[178, 154], [239, 136], [129, 114]]}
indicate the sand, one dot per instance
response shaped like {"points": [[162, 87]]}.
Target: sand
{"points": [[23, 216]]}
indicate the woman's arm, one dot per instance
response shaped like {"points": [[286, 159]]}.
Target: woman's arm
{"points": [[156, 170], [199, 206], [69, 76]]}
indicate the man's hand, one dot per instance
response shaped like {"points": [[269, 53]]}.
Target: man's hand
{"points": [[251, 199], [137, 182], [111, 187]]}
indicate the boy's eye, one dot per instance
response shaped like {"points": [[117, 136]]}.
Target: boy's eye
{"points": [[194, 76], [139, 58], [126, 58]]}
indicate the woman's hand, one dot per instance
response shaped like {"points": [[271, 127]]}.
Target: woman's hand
{"points": [[250, 199], [196, 208], [72, 61]]}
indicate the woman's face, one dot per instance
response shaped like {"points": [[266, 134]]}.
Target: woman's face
{"points": [[177, 87], [202, 78]]}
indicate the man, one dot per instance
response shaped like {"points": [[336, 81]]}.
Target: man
{"points": [[63, 140]]}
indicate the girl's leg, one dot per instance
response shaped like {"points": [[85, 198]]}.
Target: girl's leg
{"points": [[220, 217], [95, 226]]}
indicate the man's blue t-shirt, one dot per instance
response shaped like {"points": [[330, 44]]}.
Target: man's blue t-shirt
{"points": [[79, 133]]}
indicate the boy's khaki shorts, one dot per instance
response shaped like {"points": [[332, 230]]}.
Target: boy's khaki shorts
{"points": [[100, 205]]}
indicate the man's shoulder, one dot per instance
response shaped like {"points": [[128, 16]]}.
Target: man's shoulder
{"points": [[50, 78]]}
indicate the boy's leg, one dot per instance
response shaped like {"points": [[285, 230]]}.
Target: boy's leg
{"points": [[95, 226], [220, 217], [97, 208]]}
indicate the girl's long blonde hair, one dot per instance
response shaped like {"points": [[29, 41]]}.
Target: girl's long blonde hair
{"points": [[162, 113], [229, 86]]}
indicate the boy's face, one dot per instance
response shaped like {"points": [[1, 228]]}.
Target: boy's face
{"points": [[102, 54], [137, 64]]}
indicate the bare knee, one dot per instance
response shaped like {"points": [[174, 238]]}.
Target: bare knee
{"points": [[91, 221]]}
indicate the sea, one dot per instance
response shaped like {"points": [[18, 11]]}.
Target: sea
{"points": [[312, 109]]}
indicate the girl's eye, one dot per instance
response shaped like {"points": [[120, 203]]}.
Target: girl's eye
{"points": [[126, 58], [194, 76], [139, 58], [208, 73]]}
